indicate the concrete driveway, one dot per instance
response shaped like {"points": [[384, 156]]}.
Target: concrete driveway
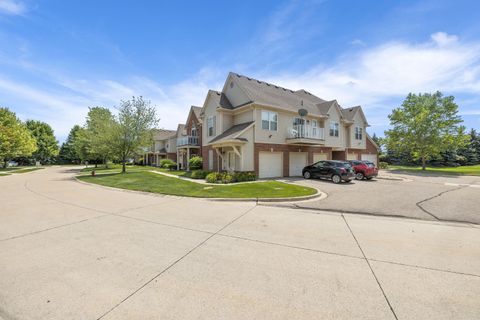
{"points": [[74, 251], [426, 197]]}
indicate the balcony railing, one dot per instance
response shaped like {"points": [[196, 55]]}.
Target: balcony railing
{"points": [[303, 131], [187, 141]]}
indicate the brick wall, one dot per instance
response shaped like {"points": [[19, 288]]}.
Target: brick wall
{"points": [[205, 151]]}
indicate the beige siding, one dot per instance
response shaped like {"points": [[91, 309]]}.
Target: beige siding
{"points": [[210, 110], [334, 141], [243, 117], [358, 122], [285, 123], [234, 94], [226, 121], [248, 150]]}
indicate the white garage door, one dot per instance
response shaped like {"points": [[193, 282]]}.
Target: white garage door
{"points": [[370, 157], [351, 156], [297, 161], [319, 157], [270, 164]]}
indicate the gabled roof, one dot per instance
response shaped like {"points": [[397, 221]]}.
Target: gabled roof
{"points": [[220, 99], [180, 129], [162, 134], [272, 95], [196, 110], [349, 113], [232, 133]]}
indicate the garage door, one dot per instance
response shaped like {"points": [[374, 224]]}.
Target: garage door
{"points": [[297, 161], [319, 157], [270, 164], [370, 157], [352, 156]]}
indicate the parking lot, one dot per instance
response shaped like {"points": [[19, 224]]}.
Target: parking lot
{"points": [[426, 197], [76, 251]]}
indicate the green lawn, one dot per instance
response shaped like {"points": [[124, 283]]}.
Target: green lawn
{"points": [[10, 170], [463, 170], [156, 183], [113, 168]]}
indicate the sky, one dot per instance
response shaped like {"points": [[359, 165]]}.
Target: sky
{"points": [[58, 58]]}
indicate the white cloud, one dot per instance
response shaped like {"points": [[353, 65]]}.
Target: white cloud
{"points": [[12, 7], [392, 70]]}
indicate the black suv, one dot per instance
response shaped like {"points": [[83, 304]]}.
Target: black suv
{"points": [[330, 169]]}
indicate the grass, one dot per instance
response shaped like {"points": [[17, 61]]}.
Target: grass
{"points": [[4, 174], [462, 170], [10, 170], [152, 182], [25, 170]]}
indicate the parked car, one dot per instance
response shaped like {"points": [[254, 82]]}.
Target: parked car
{"points": [[364, 169], [337, 171]]}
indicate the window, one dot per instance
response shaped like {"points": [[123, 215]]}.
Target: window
{"points": [[297, 121], [211, 126], [269, 120], [334, 129], [194, 131], [358, 133], [314, 128]]}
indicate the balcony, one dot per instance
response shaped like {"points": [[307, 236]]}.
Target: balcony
{"points": [[188, 141], [305, 134]]}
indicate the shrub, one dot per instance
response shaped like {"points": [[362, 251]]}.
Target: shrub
{"points": [[199, 174], [244, 176], [383, 165], [195, 162], [167, 163], [227, 177], [213, 177]]}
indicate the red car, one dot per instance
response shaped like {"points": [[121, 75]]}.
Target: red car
{"points": [[364, 169]]}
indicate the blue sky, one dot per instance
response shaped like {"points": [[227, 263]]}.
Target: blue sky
{"points": [[57, 58]]}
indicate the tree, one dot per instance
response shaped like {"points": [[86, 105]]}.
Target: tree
{"points": [[47, 145], [100, 130], [15, 138], [471, 152], [67, 150], [133, 128], [81, 145], [424, 126]]}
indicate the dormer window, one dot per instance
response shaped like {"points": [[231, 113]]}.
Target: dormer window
{"points": [[358, 133]]}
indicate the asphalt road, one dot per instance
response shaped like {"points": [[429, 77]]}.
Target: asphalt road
{"points": [[427, 197], [76, 251]]}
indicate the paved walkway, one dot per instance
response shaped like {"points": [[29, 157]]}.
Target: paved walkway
{"points": [[74, 251]]}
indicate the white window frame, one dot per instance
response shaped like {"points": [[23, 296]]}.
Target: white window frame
{"points": [[358, 133], [270, 116], [335, 127], [211, 124], [314, 127]]}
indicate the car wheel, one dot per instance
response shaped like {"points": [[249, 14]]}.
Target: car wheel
{"points": [[359, 176], [336, 178], [307, 175]]}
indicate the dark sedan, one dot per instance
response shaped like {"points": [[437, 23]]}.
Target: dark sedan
{"points": [[337, 171]]}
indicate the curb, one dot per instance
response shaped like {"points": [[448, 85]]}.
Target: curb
{"points": [[319, 194]]}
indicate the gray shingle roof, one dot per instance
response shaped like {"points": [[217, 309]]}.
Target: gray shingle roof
{"points": [[221, 99], [269, 94], [349, 113], [197, 111], [232, 133], [162, 134]]}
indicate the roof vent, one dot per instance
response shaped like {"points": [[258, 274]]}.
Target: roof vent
{"points": [[231, 84]]}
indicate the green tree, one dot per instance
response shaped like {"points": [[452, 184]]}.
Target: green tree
{"points": [[471, 152], [133, 128], [81, 145], [47, 145], [425, 126], [67, 150], [15, 138], [100, 127]]}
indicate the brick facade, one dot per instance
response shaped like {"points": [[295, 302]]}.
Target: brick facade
{"points": [[286, 149], [205, 150]]}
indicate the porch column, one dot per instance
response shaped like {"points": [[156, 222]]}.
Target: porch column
{"points": [[188, 158], [178, 162]]}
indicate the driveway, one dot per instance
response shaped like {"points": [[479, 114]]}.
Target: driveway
{"points": [[75, 251], [418, 196]]}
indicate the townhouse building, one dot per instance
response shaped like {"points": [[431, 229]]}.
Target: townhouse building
{"points": [[252, 125]]}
